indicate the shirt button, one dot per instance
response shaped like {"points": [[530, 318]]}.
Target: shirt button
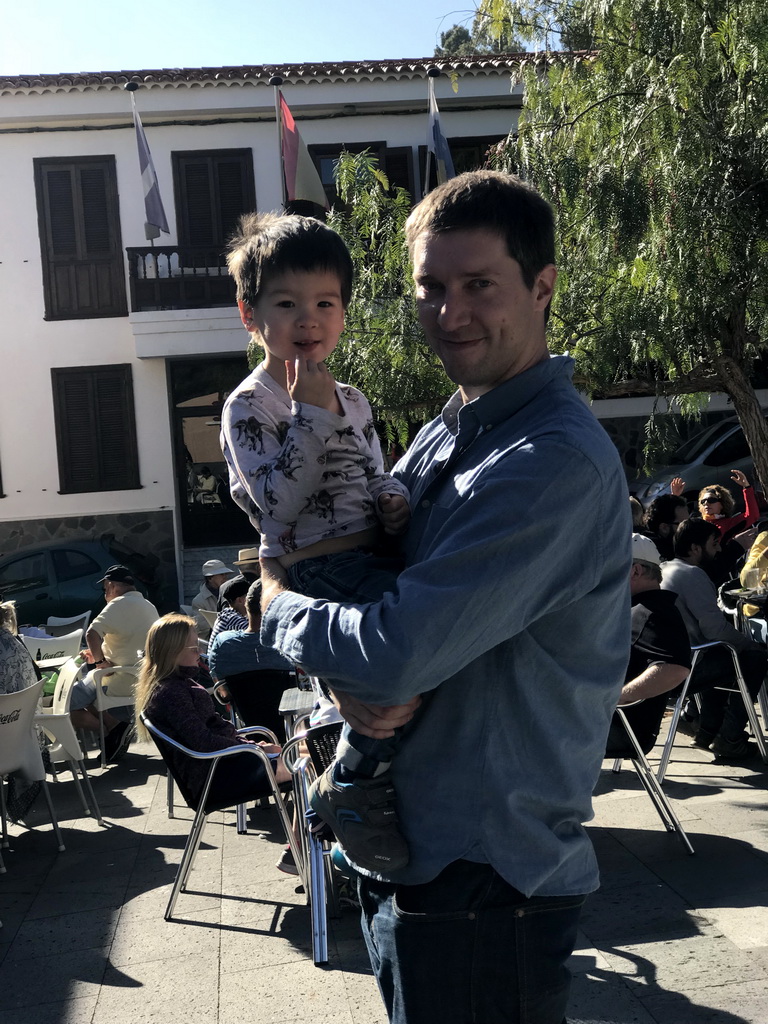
{"points": [[489, 426], [425, 503]]}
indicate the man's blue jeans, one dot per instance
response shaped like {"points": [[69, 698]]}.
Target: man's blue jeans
{"points": [[468, 948]]}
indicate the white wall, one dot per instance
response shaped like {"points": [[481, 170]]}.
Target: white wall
{"points": [[386, 109]]}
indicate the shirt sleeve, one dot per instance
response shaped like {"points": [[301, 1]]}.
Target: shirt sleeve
{"points": [[489, 574], [751, 507], [701, 599]]}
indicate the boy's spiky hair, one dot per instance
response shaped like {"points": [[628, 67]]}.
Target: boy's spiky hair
{"points": [[267, 244]]}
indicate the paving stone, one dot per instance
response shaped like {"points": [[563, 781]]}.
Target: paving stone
{"points": [[182, 990], [317, 991], [683, 965], [737, 1003], [73, 1011], [134, 943], [89, 929], [628, 915], [746, 925], [72, 975], [600, 997]]}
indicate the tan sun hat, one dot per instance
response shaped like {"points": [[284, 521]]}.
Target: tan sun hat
{"points": [[246, 555]]}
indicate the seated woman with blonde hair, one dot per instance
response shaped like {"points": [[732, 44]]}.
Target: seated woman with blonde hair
{"points": [[169, 694]]}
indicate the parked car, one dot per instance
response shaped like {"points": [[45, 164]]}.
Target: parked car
{"points": [[63, 578], [706, 458]]}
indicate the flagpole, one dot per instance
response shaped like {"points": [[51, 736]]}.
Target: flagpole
{"points": [[277, 81], [432, 73]]}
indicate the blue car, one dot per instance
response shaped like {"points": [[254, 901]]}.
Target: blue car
{"points": [[62, 579]]}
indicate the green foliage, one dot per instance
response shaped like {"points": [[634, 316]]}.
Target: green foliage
{"points": [[654, 153], [488, 35], [382, 350]]}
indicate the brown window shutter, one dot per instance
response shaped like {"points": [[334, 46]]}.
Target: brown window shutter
{"points": [[212, 189], [83, 267], [95, 428], [398, 166]]}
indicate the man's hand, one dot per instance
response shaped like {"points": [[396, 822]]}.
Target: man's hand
{"points": [[371, 719], [311, 383], [677, 486], [739, 478], [274, 581], [747, 537], [394, 512]]}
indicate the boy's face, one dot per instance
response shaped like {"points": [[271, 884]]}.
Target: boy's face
{"points": [[299, 315]]}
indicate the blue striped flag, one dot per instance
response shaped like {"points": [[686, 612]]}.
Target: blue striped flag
{"points": [[153, 204], [437, 143]]}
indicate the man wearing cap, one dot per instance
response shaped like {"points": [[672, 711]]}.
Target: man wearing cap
{"points": [[214, 574], [660, 656], [114, 637]]}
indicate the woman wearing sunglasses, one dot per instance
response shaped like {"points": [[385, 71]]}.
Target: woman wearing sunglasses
{"points": [[716, 505]]}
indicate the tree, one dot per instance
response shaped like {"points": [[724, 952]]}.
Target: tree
{"points": [[653, 149], [487, 36]]}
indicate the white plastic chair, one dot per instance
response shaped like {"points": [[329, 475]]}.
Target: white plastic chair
{"points": [[64, 746], [20, 750], [55, 651], [105, 701], [59, 627]]}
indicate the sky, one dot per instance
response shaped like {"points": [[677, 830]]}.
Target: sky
{"points": [[51, 36]]}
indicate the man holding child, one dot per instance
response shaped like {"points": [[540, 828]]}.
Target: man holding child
{"points": [[509, 624]]}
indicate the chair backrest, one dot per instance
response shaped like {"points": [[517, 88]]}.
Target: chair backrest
{"points": [[19, 748], [66, 646], [210, 617], [172, 753], [58, 627], [321, 744], [256, 697], [62, 695]]}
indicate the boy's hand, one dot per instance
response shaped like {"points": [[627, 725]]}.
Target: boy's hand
{"points": [[677, 486], [311, 383], [372, 719], [394, 512]]}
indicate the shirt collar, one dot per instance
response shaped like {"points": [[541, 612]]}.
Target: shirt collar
{"points": [[505, 400]]}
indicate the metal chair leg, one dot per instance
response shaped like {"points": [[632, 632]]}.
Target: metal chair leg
{"points": [[54, 819], [91, 796], [169, 792], [749, 707], [5, 844], [653, 788], [187, 859]]}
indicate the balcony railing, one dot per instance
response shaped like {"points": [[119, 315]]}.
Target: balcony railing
{"points": [[176, 277]]}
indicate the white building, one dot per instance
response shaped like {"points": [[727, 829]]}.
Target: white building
{"points": [[115, 359]]}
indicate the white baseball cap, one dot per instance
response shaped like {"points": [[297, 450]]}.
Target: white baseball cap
{"points": [[644, 550]]}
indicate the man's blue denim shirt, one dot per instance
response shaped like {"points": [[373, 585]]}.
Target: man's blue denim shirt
{"points": [[512, 618]]}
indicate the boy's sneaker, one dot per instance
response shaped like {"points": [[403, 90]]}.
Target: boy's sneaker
{"points": [[363, 818], [702, 739]]}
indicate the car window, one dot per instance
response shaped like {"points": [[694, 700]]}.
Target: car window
{"points": [[71, 565], [732, 449], [695, 445], [23, 573]]}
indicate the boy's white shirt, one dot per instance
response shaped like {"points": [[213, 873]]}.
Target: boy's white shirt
{"points": [[302, 474]]}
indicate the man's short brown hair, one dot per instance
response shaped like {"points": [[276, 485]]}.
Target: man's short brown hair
{"points": [[497, 202]]}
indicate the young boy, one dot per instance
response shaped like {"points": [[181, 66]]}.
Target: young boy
{"points": [[305, 465]]}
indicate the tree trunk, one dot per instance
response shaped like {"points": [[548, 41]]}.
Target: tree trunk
{"points": [[738, 386]]}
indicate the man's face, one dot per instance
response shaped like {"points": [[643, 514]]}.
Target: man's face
{"points": [[485, 325], [711, 548], [681, 514], [215, 581]]}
